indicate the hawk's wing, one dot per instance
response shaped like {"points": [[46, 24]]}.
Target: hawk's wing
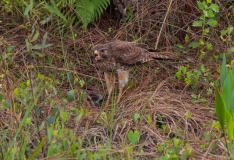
{"points": [[128, 53]]}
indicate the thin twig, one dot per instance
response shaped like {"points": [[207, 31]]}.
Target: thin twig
{"points": [[156, 45]]}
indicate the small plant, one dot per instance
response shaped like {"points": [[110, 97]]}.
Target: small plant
{"points": [[174, 149], [207, 20], [133, 136]]}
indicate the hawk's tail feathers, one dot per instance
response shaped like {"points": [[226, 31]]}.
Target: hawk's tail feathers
{"points": [[163, 55]]}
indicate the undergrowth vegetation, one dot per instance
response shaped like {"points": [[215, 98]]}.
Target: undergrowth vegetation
{"points": [[168, 110]]}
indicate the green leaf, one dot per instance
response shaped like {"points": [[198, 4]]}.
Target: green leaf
{"points": [[149, 118], [28, 45], [186, 38], [133, 137], [70, 95], [41, 46], [10, 48], [214, 7], [210, 14], [208, 1], [176, 142], [220, 108], [197, 23], [178, 75], [50, 119], [35, 37], [63, 115], [200, 5], [183, 69], [207, 30], [6, 104], [230, 126], [136, 116], [227, 92], [194, 45], [55, 10], [212, 22], [224, 71], [209, 46], [1, 96], [17, 92], [38, 149], [27, 10]]}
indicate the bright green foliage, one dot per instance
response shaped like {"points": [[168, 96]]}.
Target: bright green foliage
{"points": [[133, 136], [71, 13], [207, 21], [220, 108], [174, 149], [88, 10], [224, 102]]}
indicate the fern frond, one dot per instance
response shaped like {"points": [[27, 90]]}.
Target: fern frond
{"points": [[89, 10]]}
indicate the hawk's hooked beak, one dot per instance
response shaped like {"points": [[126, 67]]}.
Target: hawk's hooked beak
{"points": [[97, 55]]}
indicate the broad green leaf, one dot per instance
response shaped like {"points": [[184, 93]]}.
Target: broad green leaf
{"points": [[224, 71], [133, 137], [200, 5], [70, 95], [208, 1], [227, 92], [27, 10], [220, 108], [178, 75], [214, 7], [197, 23], [210, 14], [194, 45], [212, 22], [230, 126], [176, 142], [41, 46]]}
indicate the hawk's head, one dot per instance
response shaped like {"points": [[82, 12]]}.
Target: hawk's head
{"points": [[100, 51]]}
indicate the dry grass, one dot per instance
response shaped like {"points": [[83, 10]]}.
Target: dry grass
{"points": [[150, 93]]}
